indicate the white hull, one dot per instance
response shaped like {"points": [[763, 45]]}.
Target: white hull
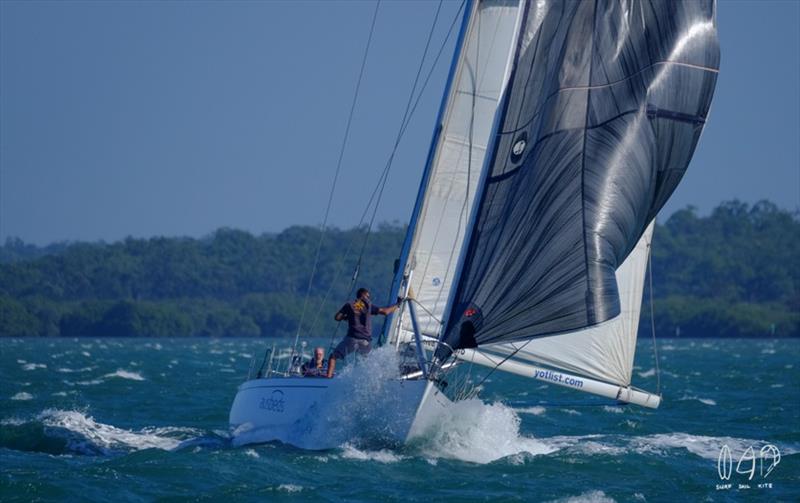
{"points": [[318, 413]]}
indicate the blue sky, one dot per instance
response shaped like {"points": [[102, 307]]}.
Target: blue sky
{"points": [[177, 118]]}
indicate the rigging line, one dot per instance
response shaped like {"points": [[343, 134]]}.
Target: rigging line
{"points": [[417, 101], [336, 175], [403, 124], [428, 312], [652, 315], [409, 111], [435, 61], [517, 350], [419, 71]]}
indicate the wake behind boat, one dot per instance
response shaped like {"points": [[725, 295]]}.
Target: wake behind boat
{"points": [[564, 128]]}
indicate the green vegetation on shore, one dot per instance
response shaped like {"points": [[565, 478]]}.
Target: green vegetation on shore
{"points": [[734, 273]]}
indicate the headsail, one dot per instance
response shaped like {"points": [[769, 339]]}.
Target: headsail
{"points": [[458, 156], [603, 111]]}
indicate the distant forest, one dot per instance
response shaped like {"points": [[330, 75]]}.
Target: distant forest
{"points": [[734, 273]]}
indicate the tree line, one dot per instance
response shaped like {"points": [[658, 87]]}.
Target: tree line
{"points": [[733, 273]]}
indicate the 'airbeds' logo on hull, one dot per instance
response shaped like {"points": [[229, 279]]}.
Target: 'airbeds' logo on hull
{"points": [[274, 403]]}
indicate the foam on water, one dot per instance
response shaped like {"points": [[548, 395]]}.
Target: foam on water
{"points": [[477, 432], [360, 414], [91, 382], [126, 374], [699, 445], [93, 435], [66, 370], [381, 456], [587, 497], [34, 366], [706, 401], [617, 445], [82, 434], [536, 410], [468, 430], [22, 396]]}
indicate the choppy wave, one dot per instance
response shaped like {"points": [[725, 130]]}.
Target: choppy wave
{"points": [[67, 370], [126, 374], [586, 497], [706, 401], [290, 488], [34, 366], [381, 456], [57, 431], [706, 447], [478, 432], [22, 395], [536, 410]]}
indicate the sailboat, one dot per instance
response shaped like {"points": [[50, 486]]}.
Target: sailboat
{"points": [[565, 126]]}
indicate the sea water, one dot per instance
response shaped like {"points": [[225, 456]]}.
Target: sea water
{"points": [[140, 420]]}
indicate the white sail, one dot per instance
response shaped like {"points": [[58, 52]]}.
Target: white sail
{"points": [[605, 351], [480, 77]]}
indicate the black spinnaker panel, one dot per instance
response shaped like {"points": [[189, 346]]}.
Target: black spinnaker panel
{"points": [[603, 113]]}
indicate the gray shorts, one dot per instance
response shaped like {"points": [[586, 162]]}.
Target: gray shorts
{"points": [[351, 344]]}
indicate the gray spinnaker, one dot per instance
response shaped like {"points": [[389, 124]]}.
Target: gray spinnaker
{"points": [[603, 111]]}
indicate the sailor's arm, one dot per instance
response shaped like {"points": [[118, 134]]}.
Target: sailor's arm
{"points": [[341, 314], [390, 309]]}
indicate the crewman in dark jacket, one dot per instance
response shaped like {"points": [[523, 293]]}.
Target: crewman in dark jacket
{"points": [[358, 314]]}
